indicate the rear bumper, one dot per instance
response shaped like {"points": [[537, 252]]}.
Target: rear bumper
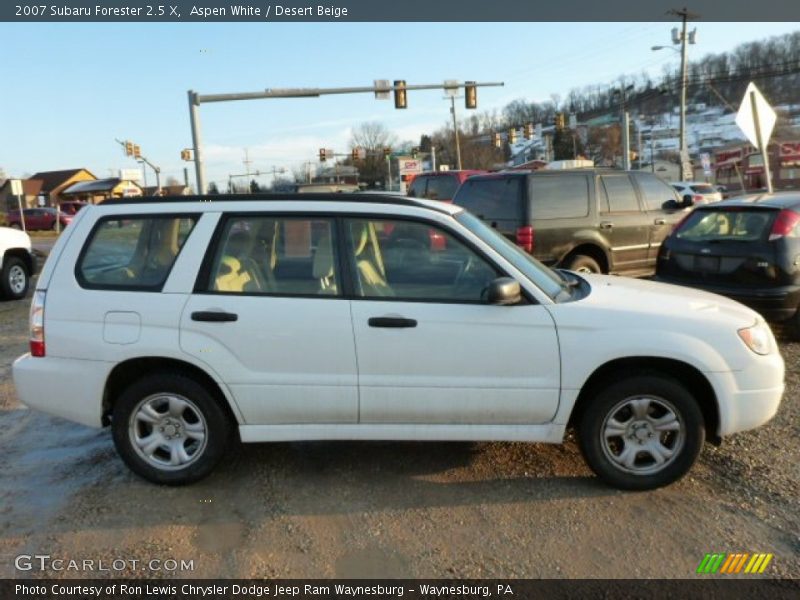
{"points": [[68, 388], [774, 303]]}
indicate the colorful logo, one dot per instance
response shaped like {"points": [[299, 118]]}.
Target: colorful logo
{"points": [[734, 563]]}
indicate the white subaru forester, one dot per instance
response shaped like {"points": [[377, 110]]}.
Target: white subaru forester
{"points": [[182, 322]]}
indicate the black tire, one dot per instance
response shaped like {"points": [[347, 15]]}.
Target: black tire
{"points": [[202, 409], [581, 263], [639, 438], [793, 326], [16, 278]]}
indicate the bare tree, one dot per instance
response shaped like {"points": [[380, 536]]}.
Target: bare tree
{"points": [[373, 137]]}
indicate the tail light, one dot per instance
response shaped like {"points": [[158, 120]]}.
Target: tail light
{"points": [[784, 223], [525, 238], [37, 324], [697, 199]]}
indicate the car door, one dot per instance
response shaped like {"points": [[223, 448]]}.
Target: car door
{"points": [[430, 349], [268, 316], [661, 204], [623, 222]]}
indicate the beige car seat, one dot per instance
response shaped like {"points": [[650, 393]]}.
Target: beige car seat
{"points": [[371, 272]]}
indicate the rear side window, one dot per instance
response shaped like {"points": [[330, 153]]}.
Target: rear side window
{"points": [[442, 187], [417, 189], [717, 225], [564, 196], [496, 200], [133, 253], [702, 189], [621, 195], [655, 192]]}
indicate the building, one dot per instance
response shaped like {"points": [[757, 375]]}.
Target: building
{"points": [[31, 188], [55, 182], [741, 167], [177, 189], [97, 190]]}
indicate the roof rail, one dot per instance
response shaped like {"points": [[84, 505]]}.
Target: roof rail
{"points": [[268, 197]]}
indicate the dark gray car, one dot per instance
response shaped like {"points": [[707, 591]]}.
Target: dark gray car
{"points": [[589, 220]]}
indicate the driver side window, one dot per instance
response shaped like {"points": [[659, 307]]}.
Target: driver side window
{"points": [[409, 260]]}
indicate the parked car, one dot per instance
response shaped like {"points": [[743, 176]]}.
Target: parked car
{"points": [[297, 318], [38, 219], [439, 185], [700, 193], [71, 207], [586, 220], [17, 263], [745, 248]]}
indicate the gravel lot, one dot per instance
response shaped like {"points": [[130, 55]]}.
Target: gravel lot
{"points": [[500, 510]]}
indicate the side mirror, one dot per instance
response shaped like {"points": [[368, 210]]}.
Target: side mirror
{"points": [[504, 291], [688, 201], [671, 204]]}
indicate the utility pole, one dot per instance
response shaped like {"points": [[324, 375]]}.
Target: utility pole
{"points": [[625, 126], [685, 15], [455, 130], [247, 162]]}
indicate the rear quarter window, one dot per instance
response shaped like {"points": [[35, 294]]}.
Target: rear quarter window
{"points": [[559, 197], [442, 187], [132, 252], [497, 200]]}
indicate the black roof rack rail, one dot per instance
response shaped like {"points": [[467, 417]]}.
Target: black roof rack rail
{"points": [[275, 197]]}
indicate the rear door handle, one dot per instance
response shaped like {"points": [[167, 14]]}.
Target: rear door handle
{"points": [[214, 316], [606, 225], [391, 322], [659, 222]]}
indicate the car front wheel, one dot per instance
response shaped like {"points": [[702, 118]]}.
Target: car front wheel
{"points": [[169, 429], [16, 278], [642, 432]]}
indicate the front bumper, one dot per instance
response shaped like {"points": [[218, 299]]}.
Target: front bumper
{"points": [[749, 398], [773, 303]]}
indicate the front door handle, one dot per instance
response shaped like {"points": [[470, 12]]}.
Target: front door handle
{"points": [[391, 322], [606, 225], [659, 222], [214, 316]]}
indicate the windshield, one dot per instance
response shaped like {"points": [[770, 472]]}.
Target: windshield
{"points": [[547, 280]]}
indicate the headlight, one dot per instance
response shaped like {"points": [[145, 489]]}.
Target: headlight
{"points": [[758, 338]]}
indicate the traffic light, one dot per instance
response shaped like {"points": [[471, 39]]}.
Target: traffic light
{"points": [[186, 154], [560, 121], [137, 152], [414, 152], [400, 100], [512, 136], [128, 148], [496, 140], [354, 154], [470, 94], [323, 155], [387, 152], [528, 131]]}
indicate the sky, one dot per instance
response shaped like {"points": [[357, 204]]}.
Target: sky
{"points": [[71, 89]]}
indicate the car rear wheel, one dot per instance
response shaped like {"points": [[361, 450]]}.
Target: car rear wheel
{"points": [[16, 278], [580, 263], [642, 432], [169, 429]]}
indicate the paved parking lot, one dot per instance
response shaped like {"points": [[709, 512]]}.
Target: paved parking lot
{"points": [[388, 509]]}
